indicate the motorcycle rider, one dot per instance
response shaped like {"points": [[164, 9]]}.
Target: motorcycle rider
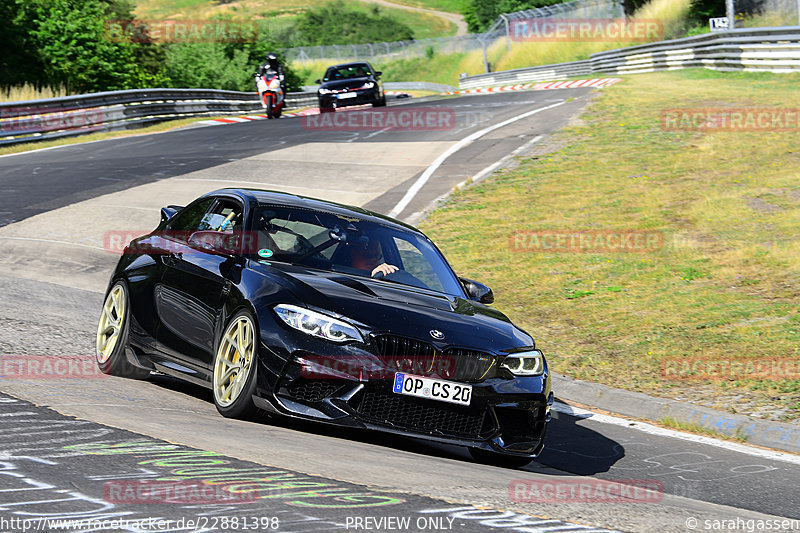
{"points": [[272, 67]]}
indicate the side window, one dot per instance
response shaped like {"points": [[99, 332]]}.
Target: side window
{"points": [[210, 214], [226, 216], [415, 264], [189, 218]]}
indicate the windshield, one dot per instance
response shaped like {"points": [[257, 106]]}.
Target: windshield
{"points": [[350, 245], [356, 70]]}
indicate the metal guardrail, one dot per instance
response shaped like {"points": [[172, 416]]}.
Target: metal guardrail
{"points": [[763, 49], [74, 115]]}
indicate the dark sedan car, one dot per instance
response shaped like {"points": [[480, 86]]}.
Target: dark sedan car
{"points": [[350, 84], [325, 312]]}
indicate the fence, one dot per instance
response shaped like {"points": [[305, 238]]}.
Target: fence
{"points": [[766, 13], [74, 115], [387, 51], [764, 49]]}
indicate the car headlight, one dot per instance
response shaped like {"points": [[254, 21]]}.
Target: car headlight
{"points": [[525, 363], [317, 324], [368, 85], [325, 91]]}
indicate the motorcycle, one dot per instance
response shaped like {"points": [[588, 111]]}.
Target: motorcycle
{"points": [[270, 94]]}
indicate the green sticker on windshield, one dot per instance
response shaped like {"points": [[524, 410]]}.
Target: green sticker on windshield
{"points": [[264, 252]]}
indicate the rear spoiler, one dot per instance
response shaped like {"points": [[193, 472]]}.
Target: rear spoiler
{"points": [[169, 212]]}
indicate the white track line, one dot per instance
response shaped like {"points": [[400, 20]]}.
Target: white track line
{"points": [[664, 432], [415, 188]]}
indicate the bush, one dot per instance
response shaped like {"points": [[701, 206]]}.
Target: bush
{"points": [[337, 23]]}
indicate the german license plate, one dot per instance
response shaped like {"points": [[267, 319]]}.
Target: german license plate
{"points": [[432, 389], [346, 95]]}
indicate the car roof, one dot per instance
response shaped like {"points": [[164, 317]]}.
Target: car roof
{"points": [[350, 64], [262, 196]]}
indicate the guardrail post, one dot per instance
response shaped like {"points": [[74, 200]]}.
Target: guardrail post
{"points": [[729, 12]]}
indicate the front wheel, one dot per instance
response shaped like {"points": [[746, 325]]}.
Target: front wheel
{"points": [[268, 103], [498, 459], [234, 379], [381, 102], [112, 336]]}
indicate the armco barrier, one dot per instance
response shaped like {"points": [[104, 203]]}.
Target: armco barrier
{"points": [[74, 115], [759, 49]]}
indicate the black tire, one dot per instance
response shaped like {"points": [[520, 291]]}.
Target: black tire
{"points": [[268, 102], [499, 459], [241, 405], [112, 335], [381, 102], [327, 109]]}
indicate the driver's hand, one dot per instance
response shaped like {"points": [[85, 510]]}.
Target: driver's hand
{"points": [[384, 269]]}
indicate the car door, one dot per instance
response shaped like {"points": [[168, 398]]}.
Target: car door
{"points": [[194, 287]]}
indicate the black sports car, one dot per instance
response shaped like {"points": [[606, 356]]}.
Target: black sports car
{"points": [[350, 84], [326, 312]]}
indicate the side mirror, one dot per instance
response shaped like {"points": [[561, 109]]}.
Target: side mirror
{"points": [[477, 292], [378, 73], [214, 242], [318, 81], [169, 212]]}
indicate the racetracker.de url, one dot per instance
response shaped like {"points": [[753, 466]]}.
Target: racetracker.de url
{"points": [[200, 523]]}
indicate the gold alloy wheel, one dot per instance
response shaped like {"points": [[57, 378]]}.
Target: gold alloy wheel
{"points": [[109, 330], [234, 360]]}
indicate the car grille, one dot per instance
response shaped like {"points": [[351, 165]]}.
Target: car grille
{"points": [[425, 359], [422, 416], [313, 390]]}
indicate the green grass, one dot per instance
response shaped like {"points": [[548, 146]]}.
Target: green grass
{"points": [[281, 12], [701, 430], [451, 6], [725, 285], [162, 126]]}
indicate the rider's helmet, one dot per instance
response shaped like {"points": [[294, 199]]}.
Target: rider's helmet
{"points": [[272, 59]]}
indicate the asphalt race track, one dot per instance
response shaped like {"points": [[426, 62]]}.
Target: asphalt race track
{"points": [[67, 444]]}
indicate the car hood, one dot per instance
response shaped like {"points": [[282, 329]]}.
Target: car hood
{"points": [[386, 307], [350, 83]]}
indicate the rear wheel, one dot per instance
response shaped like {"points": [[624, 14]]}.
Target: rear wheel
{"points": [[498, 459], [112, 336], [234, 378]]}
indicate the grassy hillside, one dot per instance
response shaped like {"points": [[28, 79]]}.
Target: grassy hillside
{"points": [[446, 68], [726, 284], [281, 12]]}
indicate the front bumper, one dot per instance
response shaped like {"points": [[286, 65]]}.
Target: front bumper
{"points": [[506, 414], [366, 96]]}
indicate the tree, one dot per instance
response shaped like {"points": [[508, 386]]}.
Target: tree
{"points": [[65, 43]]}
